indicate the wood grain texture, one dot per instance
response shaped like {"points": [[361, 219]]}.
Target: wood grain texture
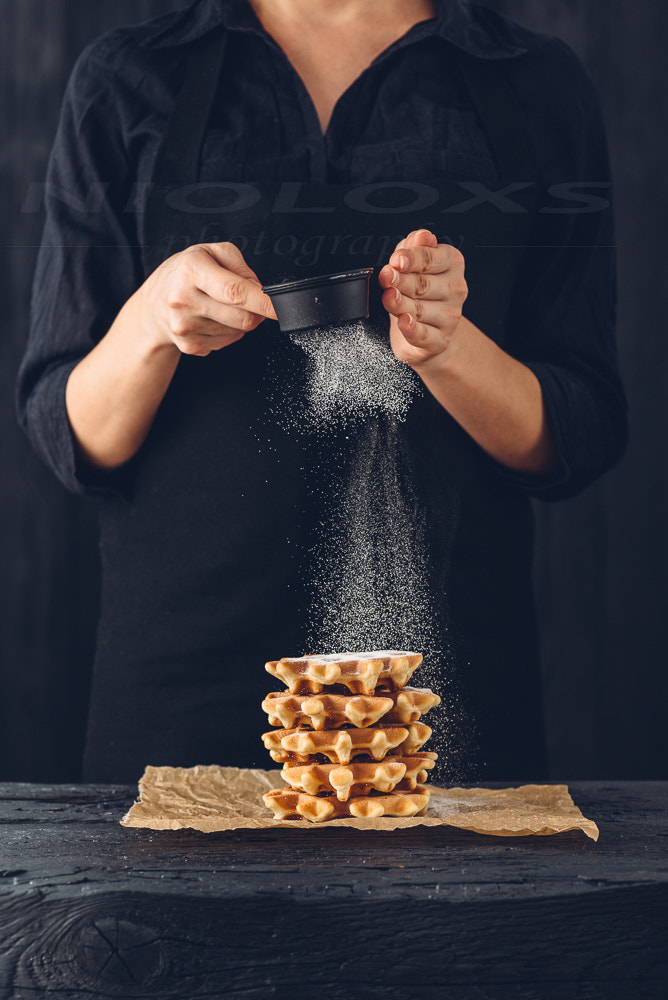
{"points": [[602, 559], [90, 909]]}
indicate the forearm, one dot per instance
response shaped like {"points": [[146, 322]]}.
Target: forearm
{"points": [[114, 393], [198, 301], [496, 399]]}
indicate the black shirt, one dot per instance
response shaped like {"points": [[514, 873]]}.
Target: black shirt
{"points": [[405, 116]]}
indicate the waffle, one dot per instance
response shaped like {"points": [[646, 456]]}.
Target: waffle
{"points": [[289, 804], [409, 704], [360, 778], [331, 711], [297, 746], [348, 736], [360, 673], [324, 711]]}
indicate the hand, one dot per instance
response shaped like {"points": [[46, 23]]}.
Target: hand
{"points": [[203, 299], [424, 294]]}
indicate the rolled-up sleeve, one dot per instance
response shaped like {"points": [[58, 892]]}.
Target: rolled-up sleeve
{"points": [[89, 263], [562, 322]]}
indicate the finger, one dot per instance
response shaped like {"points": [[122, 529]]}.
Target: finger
{"points": [[222, 274], [422, 285], [432, 260], [187, 326], [417, 238], [229, 256], [422, 336], [434, 312], [390, 275], [226, 317], [422, 238]]}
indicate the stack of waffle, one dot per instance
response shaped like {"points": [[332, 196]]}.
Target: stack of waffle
{"points": [[349, 736]]}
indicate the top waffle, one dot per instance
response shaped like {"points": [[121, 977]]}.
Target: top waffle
{"points": [[361, 673]]}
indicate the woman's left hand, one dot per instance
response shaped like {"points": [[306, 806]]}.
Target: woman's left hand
{"points": [[424, 294]]}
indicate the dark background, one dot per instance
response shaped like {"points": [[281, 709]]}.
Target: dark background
{"points": [[601, 562]]}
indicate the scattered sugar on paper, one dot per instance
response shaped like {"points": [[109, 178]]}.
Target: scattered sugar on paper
{"points": [[441, 808], [369, 565]]}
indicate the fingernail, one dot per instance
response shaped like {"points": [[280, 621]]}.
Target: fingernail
{"points": [[403, 262], [395, 277]]}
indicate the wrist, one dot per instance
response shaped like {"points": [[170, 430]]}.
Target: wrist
{"points": [[147, 333]]}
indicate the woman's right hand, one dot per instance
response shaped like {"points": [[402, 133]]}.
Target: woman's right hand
{"points": [[203, 299]]}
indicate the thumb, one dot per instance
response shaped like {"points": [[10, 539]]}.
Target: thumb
{"points": [[229, 255]]}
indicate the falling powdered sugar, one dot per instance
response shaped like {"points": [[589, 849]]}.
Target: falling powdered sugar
{"points": [[370, 561], [352, 372], [368, 569]]}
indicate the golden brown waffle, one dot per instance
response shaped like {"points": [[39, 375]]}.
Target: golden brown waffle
{"points": [[289, 804], [359, 778], [331, 711], [418, 734], [324, 711], [409, 704], [299, 746], [361, 673]]}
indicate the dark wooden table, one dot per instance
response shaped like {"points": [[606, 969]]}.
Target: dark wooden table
{"points": [[90, 909]]}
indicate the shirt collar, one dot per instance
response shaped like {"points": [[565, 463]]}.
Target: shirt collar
{"points": [[478, 30], [471, 27]]}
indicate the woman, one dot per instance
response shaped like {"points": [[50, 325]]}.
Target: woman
{"points": [[222, 139]]}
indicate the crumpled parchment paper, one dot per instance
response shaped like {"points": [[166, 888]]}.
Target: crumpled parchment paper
{"points": [[210, 798]]}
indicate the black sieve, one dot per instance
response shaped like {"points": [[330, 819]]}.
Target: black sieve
{"points": [[324, 301]]}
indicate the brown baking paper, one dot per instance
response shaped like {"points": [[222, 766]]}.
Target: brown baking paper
{"points": [[212, 798]]}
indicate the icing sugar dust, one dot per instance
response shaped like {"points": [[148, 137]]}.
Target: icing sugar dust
{"points": [[353, 373], [369, 564]]}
